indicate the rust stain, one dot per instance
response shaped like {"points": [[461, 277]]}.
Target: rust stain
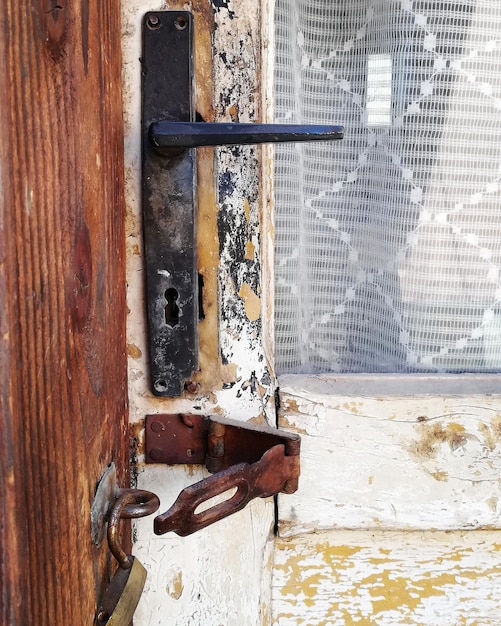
{"points": [[433, 435], [135, 249]]}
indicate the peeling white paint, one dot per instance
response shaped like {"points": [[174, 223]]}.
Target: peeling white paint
{"points": [[371, 460], [220, 576], [391, 461]]}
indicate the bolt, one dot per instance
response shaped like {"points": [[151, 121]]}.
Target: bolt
{"points": [[156, 454], [157, 427]]}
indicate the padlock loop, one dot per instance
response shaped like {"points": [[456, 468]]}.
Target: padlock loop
{"points": [[144, 503], [115, 514], [130, 503]]}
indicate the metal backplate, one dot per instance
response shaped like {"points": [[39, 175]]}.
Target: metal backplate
{"points": [[169, 199], [103, 499], [174, 438]]}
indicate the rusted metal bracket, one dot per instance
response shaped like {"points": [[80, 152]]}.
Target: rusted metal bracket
{"points": [[256, 461]]}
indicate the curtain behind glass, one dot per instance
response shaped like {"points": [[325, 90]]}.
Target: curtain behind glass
{"points": [[388, 243]]}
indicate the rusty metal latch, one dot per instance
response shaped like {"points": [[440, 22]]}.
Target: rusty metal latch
{"points": [[256, 461]]}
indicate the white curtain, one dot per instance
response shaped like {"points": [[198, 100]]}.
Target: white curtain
{"points": [[388, 242]]}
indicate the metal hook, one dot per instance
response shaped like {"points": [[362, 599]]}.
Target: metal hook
{"points": [[143, 503]]}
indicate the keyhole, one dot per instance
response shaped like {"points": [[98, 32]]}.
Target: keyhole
{"points": [[171, 308]]}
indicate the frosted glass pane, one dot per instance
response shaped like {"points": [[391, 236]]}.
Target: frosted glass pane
{"points": [[388, 243]]}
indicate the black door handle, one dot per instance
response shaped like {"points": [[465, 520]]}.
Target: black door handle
{"points": [[169, 138], [170, 191]]}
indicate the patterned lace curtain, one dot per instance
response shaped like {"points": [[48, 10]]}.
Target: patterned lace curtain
{"points": [[388, 242]]}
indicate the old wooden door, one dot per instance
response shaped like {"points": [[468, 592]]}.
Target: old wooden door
{"points": [[63, 390], [395, 518]]}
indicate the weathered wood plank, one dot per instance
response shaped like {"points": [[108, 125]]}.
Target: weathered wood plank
{"points": [[353, 577], [63, 390], [389, 460]]}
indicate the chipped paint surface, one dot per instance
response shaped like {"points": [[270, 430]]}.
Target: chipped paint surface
{"points": [[415, 462], [425, 579], [252, 304], [190, 580], [371, 461]]}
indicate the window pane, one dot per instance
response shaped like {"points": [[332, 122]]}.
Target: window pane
{"points": [[388, 243]]}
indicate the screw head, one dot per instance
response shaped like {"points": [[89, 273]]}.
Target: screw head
{"points": [[181, 22], [153, 22], [191, 386]]}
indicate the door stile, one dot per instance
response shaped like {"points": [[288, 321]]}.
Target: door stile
{"points": [[63, 405]]}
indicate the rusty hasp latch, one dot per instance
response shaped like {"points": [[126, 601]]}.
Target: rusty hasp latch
{"points": [[255, 461]]}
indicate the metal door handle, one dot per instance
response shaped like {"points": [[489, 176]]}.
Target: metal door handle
{"points": [[169, 137], [169, 133]]}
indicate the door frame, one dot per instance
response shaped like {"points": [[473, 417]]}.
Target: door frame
{"points": [[63, 388]]}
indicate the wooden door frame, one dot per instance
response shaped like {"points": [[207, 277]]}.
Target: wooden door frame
{"points": [[63, 388]]}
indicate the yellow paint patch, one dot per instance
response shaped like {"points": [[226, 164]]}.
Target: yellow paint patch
{"points": [[252, 302], [492, 503], [250, 250], [440, 476], [175, 586], [290, 405], [285, 423], [386, 575], [247, 210], [389, 591], [491, 433], [133, 351], [233, 112], [351, 407], [229, 373]]}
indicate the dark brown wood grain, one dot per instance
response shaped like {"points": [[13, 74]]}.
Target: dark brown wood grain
{"points": [[63, 395]]}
